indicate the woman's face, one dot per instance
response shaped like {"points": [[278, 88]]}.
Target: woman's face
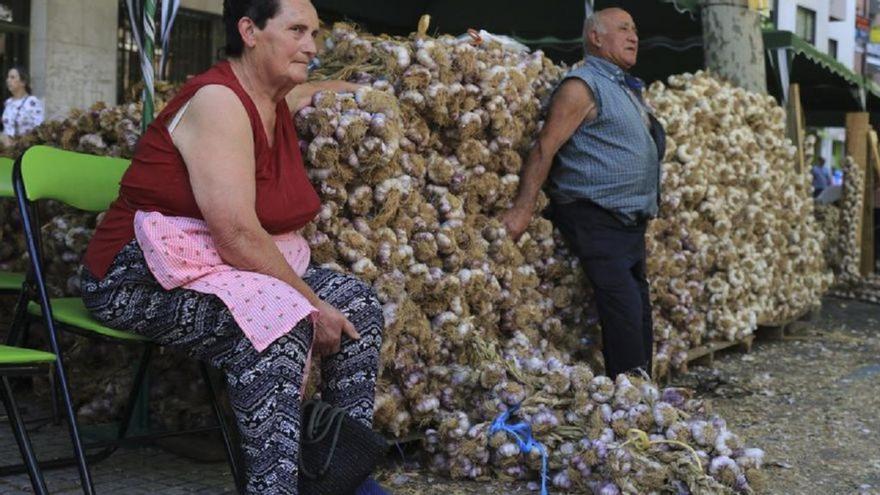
{"points": [[14, 82], [286, 45]]}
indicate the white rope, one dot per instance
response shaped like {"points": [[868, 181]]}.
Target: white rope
{"points": [[169, 13]]}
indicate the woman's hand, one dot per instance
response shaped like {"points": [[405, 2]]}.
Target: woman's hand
{"points": [[301, 96], [330, 324]]}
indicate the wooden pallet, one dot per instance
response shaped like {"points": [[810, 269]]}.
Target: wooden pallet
{"points": [[770, 330], [704, 355]]}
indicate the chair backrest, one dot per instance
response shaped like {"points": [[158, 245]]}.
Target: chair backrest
{"points": [[6, 190], [83, 181]]}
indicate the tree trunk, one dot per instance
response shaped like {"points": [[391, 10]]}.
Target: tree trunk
{"points": [[733, 45]]}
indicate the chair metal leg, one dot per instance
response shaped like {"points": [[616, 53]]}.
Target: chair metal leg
{"points": [[21, 319], [143, 365], [21, 437], [53, 395], [127, 412], [231, 457], [85, 476]]}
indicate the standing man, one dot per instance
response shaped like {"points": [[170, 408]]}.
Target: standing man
{"points": [[604, 183]]}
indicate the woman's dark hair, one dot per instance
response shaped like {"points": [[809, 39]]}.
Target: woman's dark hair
{"points": [[24, 76], [259, 11]]}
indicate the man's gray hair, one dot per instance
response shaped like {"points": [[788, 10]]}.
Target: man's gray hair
{"points": [[594, 22]]}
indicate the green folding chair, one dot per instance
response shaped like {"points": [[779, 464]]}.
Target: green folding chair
{"points": [[15, 283], [19, 361], [88, 183]]}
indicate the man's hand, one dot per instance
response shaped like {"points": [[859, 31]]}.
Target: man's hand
{"points": [[516, 220], [330, 324]]}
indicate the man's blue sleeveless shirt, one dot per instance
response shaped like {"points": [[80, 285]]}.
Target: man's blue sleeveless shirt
{"points": [[613, 159]]}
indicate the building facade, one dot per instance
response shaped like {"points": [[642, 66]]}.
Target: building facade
{"points": [[838, 28], [872, 61], [829, 25], [79, 52]]}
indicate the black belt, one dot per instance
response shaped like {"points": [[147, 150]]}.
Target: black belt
{"points": [[641, 219]]}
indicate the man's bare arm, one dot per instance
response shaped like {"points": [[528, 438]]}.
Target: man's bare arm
{"points": [[572, 104]]}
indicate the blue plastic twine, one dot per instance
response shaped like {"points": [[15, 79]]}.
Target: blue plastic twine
{"points": [[522, 432]]}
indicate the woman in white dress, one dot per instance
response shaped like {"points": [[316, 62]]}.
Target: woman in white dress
{"points": [[22, 111]]}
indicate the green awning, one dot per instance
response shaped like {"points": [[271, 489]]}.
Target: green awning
{"points": [[800, 47], [828, 88]]}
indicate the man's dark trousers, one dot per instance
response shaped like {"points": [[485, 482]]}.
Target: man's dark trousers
{"points": [[613, 258]]}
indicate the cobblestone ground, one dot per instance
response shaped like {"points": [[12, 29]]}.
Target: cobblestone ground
{"points": [[811, 401], [131, 470]]}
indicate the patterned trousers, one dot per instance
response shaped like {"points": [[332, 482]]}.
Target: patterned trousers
{"points": [[264, 387]]}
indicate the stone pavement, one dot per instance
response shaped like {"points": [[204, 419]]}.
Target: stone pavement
{"points": [[129, 470]]}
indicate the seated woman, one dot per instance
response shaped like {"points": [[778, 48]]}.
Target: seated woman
{"points": [[200, 251]]}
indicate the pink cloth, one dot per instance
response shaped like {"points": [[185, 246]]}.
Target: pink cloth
{"points": [[180, 252]]}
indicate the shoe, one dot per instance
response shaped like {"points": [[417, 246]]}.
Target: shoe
{"points": [[370, 487], [638, 372]]}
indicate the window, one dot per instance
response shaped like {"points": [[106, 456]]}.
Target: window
{"points": [[193, 49], [832, 48], [837, 9], [15, 20], [805, 24]]}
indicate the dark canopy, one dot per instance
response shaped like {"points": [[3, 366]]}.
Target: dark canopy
{"points": [[670, 35]]}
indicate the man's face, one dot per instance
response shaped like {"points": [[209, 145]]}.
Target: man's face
{"points": [[617, 39]]}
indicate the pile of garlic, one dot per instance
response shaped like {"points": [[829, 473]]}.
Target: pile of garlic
{"points": [[736, 242], [413, 170], [849, 283], [827, 214], [840, 222], [851, 207]]}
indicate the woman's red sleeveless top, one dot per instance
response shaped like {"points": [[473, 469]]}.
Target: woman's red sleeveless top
{"points": [[157, 179]]}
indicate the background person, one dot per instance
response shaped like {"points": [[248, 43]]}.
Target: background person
{"points": [[822, 178], [22, 111]]}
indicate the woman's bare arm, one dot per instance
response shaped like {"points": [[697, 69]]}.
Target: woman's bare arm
{"points": [[300, 96], [216, 141]]}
